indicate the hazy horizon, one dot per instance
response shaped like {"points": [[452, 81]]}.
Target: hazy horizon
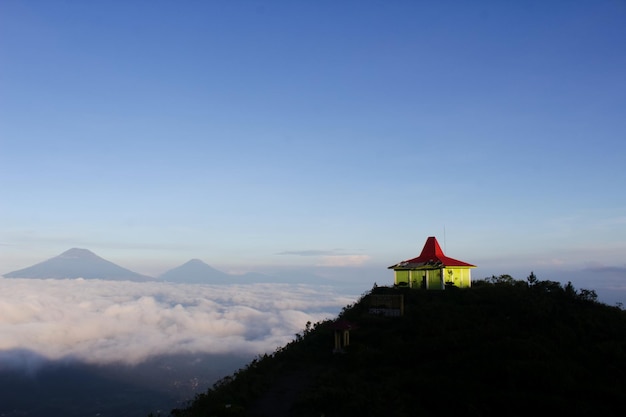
{"points": [[609, 281]]}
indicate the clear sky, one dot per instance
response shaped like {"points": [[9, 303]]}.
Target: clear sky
{"points": [[267, 134]]}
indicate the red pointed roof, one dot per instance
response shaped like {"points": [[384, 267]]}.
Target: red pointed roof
{"points": [[431, 255]]}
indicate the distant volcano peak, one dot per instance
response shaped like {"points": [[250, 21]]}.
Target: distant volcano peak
{"points": [[78, 253], [195, 261], [196, 271]]}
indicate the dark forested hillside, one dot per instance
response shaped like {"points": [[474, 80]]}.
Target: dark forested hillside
{"points": [[501, 348]]}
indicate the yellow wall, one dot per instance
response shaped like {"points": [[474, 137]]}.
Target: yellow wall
{"points": [[459, 277], [402, 277]]}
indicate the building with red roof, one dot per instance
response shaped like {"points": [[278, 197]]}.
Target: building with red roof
{"points": [[432, 270]]}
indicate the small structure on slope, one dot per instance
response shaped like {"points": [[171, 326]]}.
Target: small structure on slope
{"points": [[433, 270], [342, 334]]}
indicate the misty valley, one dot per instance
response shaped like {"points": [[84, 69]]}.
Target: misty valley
{"points": [[72, 389], [77, 347]]}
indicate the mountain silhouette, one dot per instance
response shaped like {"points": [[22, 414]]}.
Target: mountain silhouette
{"points": [[78, 263], [196, 272]]}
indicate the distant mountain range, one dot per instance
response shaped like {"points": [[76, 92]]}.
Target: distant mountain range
{"points": [[197, 272], [82, 263]]}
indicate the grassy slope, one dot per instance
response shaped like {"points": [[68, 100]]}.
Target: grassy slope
{"points": [[499, 348]]}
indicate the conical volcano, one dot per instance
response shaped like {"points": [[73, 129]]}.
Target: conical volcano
{"points": [[78, 263], [197, 272]]}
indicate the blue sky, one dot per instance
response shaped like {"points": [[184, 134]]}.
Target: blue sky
{"points": [[257, 135]]}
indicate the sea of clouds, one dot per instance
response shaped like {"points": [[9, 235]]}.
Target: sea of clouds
{"points": [[102, 322]]}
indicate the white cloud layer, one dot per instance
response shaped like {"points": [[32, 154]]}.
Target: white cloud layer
{"points": [[105, 321]]}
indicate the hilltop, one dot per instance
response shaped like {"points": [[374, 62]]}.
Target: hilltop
{"points": [[503, 347]]}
